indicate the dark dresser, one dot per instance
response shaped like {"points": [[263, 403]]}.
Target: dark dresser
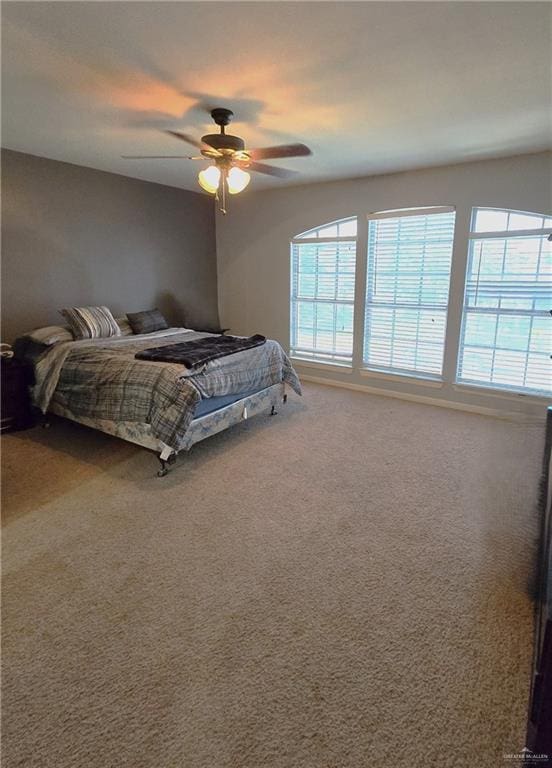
{"points": [[539, 726], [16, 411]]}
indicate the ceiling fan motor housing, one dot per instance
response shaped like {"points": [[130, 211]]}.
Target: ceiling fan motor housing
{"points": [[222, 141]]}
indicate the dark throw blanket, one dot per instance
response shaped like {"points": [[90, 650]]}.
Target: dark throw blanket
{"points": [[200, 351]]}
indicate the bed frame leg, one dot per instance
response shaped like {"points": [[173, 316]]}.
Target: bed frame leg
{"points": [[165, 464], [273, 411]]}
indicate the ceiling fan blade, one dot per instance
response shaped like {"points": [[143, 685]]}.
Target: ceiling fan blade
{"points": [[270, 170], [284, 150], [161, 157], [190, 140]]}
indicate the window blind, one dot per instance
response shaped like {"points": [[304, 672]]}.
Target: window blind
{"points": [[322, 297], [506, 326], [409, 260], [341, 228]]}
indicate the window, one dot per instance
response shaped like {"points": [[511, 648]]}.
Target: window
{"points": [[323, 263], [506, 324], [407, 288]]}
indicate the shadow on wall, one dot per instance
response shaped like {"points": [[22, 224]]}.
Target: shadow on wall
{"points": [[171, 308], [180, 313]]}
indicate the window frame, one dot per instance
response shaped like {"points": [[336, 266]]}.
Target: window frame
{"points": [[320, 358], [402, 374], [473, 235], [464, 233]]}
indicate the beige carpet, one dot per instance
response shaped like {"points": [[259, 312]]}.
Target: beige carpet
{"points": [[342, 586]]}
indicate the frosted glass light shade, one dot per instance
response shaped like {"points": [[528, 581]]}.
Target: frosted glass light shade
{"points": [[209, 179], [237, 180]]}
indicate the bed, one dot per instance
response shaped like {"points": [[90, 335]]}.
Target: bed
{"points": [[162, 406]]}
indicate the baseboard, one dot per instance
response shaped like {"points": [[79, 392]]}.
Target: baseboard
{"points": [[496, 413]]}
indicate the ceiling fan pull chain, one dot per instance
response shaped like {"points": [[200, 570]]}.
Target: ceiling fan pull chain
{"points": [[223, 185]]}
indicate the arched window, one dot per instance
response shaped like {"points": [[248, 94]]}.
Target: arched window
{"points": [[323, 262], [506, 323], [335, 229]]}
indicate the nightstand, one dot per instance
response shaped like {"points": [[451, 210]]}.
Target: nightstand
{"points": [[16, 412]]}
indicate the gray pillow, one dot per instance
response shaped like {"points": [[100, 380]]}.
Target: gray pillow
{"points": [[147, 322]]}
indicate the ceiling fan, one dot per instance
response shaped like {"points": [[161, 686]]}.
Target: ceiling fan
{"points": [[229, 157]]}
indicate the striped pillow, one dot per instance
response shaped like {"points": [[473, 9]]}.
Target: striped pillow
{"points": [[91, 322]]}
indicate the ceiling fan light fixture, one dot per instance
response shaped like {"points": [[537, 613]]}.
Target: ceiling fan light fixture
{"points": [[237, 180], [209, 179], [227, 154]]}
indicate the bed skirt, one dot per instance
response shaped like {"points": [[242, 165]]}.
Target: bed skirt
{"points": [[200, 428]]}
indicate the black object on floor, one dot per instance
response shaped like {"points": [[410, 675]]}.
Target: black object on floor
{"points": [[17, 376], [539, 724]]}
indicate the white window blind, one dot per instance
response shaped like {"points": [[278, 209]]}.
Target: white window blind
{"points": [[323, 263], [506, 326], [407, 288]]}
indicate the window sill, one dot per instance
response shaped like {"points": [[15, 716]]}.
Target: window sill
{"points": [[420, 380], [322, 365]]}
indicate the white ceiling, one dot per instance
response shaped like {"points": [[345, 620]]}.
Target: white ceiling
{"points": [[371, 87]]}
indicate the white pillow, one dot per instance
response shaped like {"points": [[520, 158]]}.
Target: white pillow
{"points": [[51, 334]]}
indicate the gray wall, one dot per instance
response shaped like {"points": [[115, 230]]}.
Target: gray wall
{"points": [[254, 258], [76, 236]]}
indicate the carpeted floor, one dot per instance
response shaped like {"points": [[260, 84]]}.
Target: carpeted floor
{"points": [[345, 585]]}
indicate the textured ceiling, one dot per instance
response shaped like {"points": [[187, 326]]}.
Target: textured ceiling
{"points": [[370, 87]]}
